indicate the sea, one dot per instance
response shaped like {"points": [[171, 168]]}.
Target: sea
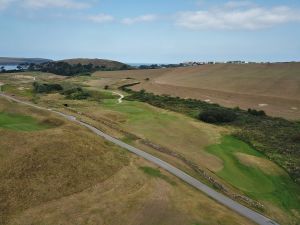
{"points": [[9, 67]]}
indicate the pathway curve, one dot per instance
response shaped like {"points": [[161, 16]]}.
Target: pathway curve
{"points": [[120, 100]]}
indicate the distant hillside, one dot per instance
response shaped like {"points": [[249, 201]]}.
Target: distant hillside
{"points": [[109, 64], [274, 88], [16, 61]]}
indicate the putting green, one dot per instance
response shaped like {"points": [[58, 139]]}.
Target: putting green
{"points": [[251, 179]]}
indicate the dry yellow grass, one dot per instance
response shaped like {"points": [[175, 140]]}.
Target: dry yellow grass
{"points": [[131, 197], [265, 165]]}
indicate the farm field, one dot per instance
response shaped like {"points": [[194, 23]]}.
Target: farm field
{"points": [[270, 87]]}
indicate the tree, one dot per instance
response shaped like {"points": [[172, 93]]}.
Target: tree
{"points": [[20, 67]]}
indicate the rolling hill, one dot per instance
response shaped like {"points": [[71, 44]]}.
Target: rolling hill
{"points": [[274, 88], [16, 61], [114, 65]]}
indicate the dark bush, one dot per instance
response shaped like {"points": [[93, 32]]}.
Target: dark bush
{"points": [[296, 138], [255, 112], [217, 116]]}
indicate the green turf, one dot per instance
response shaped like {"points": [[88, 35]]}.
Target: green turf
{"points": [[137, 112], [280, 189], [19, 122], [156, 173]]}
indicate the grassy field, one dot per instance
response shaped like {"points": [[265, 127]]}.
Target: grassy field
{"points": [[190, 138], [183, 135], [66, 175], [271, 87], [248, 170]]}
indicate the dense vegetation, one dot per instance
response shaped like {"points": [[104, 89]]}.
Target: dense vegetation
{"points": [[46, 88], [76, 93], [70, 91], [67, 69], [217, 116], [277, 138]]}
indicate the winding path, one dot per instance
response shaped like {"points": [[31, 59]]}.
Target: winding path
{"points": [[235, 206], [120, 100]]}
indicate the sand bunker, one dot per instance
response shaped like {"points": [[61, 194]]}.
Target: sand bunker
{"points": [[262, 105]]}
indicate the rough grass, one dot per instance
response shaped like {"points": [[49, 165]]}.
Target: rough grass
{"points": [[251, 179], [20, 122], [130, 197], [41, 166]]}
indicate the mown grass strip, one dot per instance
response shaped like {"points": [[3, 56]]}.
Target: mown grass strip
{"points": [[156, 173]]}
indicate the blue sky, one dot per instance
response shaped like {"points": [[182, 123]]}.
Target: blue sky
{"points": [[156, 31]]}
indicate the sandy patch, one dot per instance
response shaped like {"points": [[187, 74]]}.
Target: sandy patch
{"points": [[265, 165], [23, 77], [262, 105]]}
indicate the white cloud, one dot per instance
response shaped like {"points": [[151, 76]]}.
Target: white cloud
{"points": [[67, 4], [238, 15], [5, 3], [100, 18], [139, 19], [238, 4]]}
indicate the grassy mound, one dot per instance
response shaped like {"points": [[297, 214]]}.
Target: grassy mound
{"points": [[45, 165]]}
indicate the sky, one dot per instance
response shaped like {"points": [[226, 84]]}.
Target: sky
{"points": [[151, 31]]}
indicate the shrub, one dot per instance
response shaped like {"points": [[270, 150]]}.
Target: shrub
{"points": [[46, 88], [296, 138], [79, 95], [217, 116], [255, 112]]}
